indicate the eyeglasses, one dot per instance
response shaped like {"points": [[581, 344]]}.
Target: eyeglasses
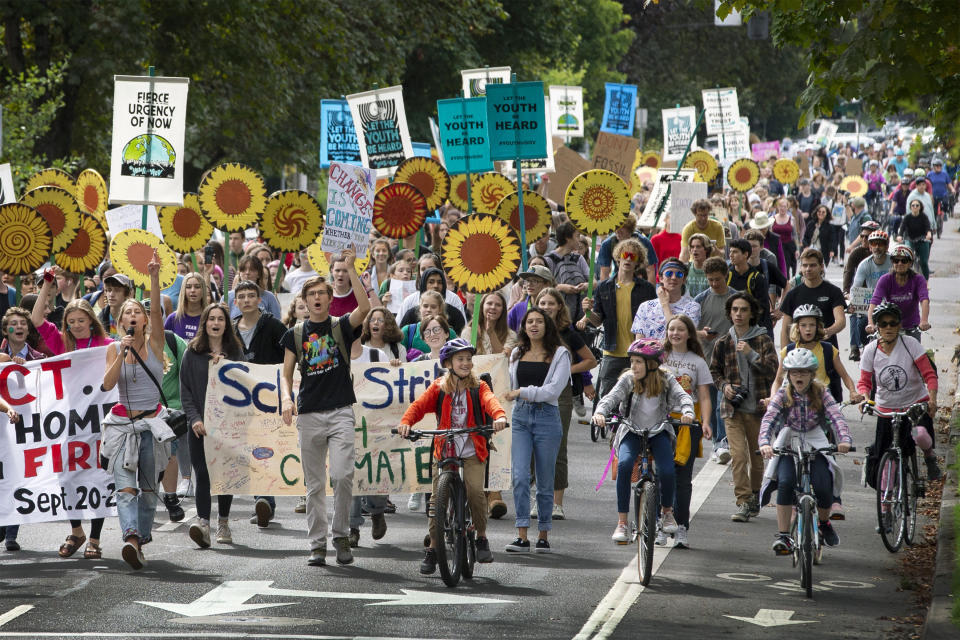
{"points": [[673, 274], [435, 331], [887, 324], [901, 260]]}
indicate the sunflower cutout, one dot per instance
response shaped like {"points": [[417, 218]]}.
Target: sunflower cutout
{"points": [[743, 174], [786, 170], [640, 177], [651, 159], [428, 176], [87, 249], [25, 239], [458, 191], [399, 210], [232, 197], [51, 178], [292, 221], [132, 250], [488, 189], [597, 201], [536, 214], [61, 211], [91, 194], [184, 227], [318, 260], [704, 163], [854, 185], [481, 253]]}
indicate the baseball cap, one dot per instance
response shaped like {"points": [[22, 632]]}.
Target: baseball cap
{"points": [[119, 280], [538, 271]]}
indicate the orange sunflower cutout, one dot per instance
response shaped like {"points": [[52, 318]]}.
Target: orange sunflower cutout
{"points": [[399, 210], [232, 197], [743, 174], [184, 227], [597, 202], [87, 249], [704, 163], [458, 191], [536, 214], [786, 170], [488, 189], [651, 159], [61, 211], [51, 178], [481, 253], [91, 194], [428, 176], [25, 239], [854, 185], [132, 250], [292, 221]]}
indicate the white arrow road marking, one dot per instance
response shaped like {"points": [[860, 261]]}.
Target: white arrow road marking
{"points": [[14, 613], [232, 594], [772, 618]]}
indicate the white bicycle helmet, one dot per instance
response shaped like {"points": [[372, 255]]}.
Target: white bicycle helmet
{"points": [[800, 359], [807, 311]]}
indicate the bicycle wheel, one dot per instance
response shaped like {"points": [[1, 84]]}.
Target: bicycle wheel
{"points": [[646, 529], [890, 501], [806, 545], [594, 432], [794, 535], [912, 496], [470, 542], [449, 518], [603, 433]]}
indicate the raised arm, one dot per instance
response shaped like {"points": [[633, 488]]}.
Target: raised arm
{"points": [[156, 308]]}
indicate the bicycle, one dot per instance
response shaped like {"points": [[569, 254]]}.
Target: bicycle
{"points": [[898, 484], [593, 336], [457, 551], [646, 496]]}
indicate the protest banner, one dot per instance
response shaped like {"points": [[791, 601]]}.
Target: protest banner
{"points": [[338, 138], [723, 109], [614, 153], [569, 164], [7, 194], [566, 108], [682, 197], [860, 299], [383, 135], [349, 217], [516, 121], [661, 193], [149, 117], [130, 217], [761, 151], [678, 126], [250, 451], [49, 459], [475, 81], [619, 109], [462, 129]]}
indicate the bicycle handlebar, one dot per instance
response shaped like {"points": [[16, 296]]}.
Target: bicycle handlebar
{"points": [[416, 434], [787, 451], [871, 407], [676, 422]]}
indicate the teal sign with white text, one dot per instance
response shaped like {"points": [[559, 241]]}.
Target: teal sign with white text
{"points": [[516, 121], [463, 135]]}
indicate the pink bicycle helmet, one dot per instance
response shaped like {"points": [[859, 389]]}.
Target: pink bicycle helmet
{"points": [[648, 348]]}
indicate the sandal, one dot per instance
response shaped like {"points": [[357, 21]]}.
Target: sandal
{"points": [[71, 545], [93, 551]]}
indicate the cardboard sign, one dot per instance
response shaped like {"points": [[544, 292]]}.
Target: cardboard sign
{"points": [[853, 167], [614, 153], [131, 217], [761, 151], [569, 164], [619, 109], [149, 118], [462, 129], [475, 81], [381, 122], [860, 298], [677, 129], [661, 193], [682, 197], [349, 216], [338, 140], [723, 109], [516, 120], [7, 194], [566, 109]]}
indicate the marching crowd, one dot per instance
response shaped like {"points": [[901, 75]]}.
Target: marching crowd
{"points": [[681, 322]]}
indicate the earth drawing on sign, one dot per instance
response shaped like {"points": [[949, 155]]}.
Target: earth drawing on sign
{"points": [[149, 155]]}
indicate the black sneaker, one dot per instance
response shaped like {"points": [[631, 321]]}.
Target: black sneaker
{"points": [[542, 546], [518, 546], [174, 510], [830, 537], [855, 354], [886, 519], [379, 528], [484, 555], [933, 469], [429, 563], [264, 512], [782, 544], [390, 508], [354, 538]]}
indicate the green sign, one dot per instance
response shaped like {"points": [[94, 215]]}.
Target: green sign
{"points": [[463, 135], [516, 121]]}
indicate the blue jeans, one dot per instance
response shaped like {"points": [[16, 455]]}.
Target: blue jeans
{"points": [[136, 511], [375, 505], [858, 329], [536, 431], [719, 428], [662, 447], [821, 481]]}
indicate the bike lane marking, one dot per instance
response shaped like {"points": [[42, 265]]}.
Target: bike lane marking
{"points": [[14, 613]]}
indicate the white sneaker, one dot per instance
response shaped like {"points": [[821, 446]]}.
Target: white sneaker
{"points": [[200, 533], [668, 523], [415, 503], [680, 537], [620, 534], [723, 456], [661, 540], [579, 408], [534, 515], [224, 535], [713, 457], [557, 511]]}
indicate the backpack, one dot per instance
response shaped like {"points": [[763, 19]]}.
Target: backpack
{"points": [[751, 280], [565, 269], [337, 337]]}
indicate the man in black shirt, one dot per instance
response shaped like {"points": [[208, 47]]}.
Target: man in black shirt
{"points": [[814, 290]]}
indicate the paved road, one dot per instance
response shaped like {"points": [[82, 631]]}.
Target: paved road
{"points": [[586, 589]]}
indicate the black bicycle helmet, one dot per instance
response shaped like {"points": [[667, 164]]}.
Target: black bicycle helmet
{"points": [[886, 308]]}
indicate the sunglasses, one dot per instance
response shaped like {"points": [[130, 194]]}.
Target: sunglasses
{"points": [[901, 260], [627, 255], [669, 273], [885, 324]]}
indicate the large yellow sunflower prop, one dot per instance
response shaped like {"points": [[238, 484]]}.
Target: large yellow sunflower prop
{"points": [[743, 174], [399, 210], [184, 227], [292, 221], [704, 163], [132, 250], [318, 260], [536, 214], [458, 191], [91, 194], [481, 253], [87, 249], [61, 211], [786, 170], [51, 178], [25, 239], [651, 159], [428, 176], [854, 185], [597, 201], [488, 189], [232, 197]]}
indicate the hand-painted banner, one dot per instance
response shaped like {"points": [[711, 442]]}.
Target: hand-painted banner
{"points": [[475, 81], [250, 451], [349, 217], [677, 128], [763, 150], [381, 122], [462, 125], [723, 110], [619, 109], [149, 118], [516, 120], [49, 459], [338, 138], [566, 109]]}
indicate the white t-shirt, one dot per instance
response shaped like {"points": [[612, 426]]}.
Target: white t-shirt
{"points": [[690, 370], [458, 420], [898, 379]]}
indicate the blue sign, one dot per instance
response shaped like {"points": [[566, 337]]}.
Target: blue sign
{"points": [[421, 149], [516, 119], [462, 123], [338, 138], [620, 109]]}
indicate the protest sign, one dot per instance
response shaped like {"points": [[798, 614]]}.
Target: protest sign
{"points": [[381, 123], [350, 192], [566, 108], [619, 109], [516, 121], [130, 217], [763, 150], [250, 451], [568, 165], [7, 193], [860, 299], [853, 167], [421, 149], [149, 117], [399, 289], [49, 460], [462, 125], [614, 153], [677, 128], [536, 165], [838, 215], [338, 138], [661, 193], [435, 134], [734, 143], [475, 81], [723, 110], [825, 132], [682, 197]]}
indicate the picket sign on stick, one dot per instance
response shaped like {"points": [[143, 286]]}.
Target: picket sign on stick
{"points": [[151, 71], [523, 223], [279, 278], [693, 136]]}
